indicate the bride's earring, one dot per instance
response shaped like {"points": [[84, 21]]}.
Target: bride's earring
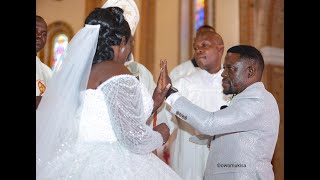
{"points": [[122, 49]]}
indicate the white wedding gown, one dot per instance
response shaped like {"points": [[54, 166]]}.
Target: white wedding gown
{"points": [[113, 140]]}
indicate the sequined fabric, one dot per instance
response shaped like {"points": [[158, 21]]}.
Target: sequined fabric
{"points": [[130, 105], [113, 142]]}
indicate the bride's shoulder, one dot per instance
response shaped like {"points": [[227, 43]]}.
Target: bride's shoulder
{"points": [[118, 80], [104, 72]]}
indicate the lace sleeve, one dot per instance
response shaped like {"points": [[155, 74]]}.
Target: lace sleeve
{"points": [[130, 106]]}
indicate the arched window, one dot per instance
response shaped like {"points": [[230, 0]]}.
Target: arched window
{"points": [[58, 37], [199, 13], [60, 44]]}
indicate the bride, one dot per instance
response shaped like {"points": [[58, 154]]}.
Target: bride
{"points": [[91, 122]]}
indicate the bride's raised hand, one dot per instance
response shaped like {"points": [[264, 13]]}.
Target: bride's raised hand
{"points": [[165, 75], [163, 85]]}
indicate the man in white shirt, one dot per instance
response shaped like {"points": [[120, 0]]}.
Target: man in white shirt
{"points": [[43, 72], [203, 88]]}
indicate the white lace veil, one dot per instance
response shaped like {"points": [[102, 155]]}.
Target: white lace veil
{"points": [[56, 127]]}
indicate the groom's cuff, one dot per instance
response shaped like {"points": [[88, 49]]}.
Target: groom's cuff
{"points": [[172, 98]]}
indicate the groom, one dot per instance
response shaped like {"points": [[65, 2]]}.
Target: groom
{"points": [[246, 131]]}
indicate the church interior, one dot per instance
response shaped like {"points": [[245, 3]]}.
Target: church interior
{"points": [[166, 30]]}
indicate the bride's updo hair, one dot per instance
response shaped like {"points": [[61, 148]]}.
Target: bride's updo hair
{"points": [[113, 27]]}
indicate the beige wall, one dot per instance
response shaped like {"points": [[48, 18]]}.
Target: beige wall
{"points": [[70, 11], [227, 22], [167, 34], [137, 35]]}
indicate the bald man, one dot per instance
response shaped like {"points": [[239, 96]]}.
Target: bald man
{"points": [[203, 88], [188, 67]]}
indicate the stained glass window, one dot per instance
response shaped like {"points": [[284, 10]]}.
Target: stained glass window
{"points": [[59, 47], [199, 13]]}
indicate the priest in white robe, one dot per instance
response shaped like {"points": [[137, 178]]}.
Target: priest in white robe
{"points": [[203, 88], [43, 72]]}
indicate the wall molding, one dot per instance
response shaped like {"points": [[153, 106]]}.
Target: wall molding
{"points": [[273, 55]]}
